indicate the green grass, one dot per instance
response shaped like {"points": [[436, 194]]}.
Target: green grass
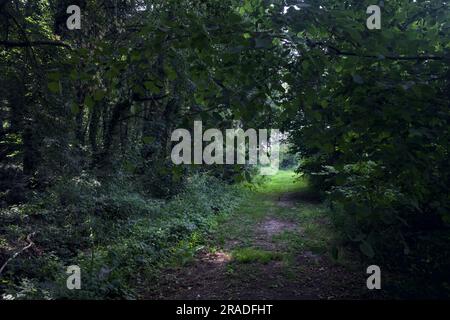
{"points": [[237, 231], [283, 181], [247, 255]]}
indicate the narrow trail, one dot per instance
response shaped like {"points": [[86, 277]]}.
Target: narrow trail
{"points": [[276, 246]]}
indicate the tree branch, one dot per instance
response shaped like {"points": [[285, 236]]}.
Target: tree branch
{"points": [[30, 243], [389, 57], [339, 52]]}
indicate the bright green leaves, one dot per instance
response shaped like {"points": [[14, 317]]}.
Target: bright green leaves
{"points": [[248, 7]]}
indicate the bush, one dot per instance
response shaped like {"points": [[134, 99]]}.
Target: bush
{"points": [[389, 227], [111, 231]]}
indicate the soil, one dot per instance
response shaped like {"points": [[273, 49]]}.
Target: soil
{"points": [[217, 276]]}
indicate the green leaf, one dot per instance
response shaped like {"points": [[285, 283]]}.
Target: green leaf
{"points": [[99, 95], [89, 102], [170, 72], [54, 87], [74, 108], [129, 167], [54, 76], [135, 56], [74, 75], [248, 6], [148, 139], [149, 85]]}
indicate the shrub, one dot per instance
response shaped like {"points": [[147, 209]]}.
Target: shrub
{"points": [[113, 233]]}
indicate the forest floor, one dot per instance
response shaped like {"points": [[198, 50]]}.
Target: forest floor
{"points": [[277, 245]]}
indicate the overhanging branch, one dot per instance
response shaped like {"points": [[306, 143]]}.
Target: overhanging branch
{"points": [[339, 52]]}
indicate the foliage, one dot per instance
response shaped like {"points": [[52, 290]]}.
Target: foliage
{"points": [[86, 118], [114, 238], [372, 127]]}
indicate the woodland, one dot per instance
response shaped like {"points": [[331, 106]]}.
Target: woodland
{"points": [[87, 179]]}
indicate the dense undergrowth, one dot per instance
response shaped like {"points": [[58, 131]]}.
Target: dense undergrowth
{"points": [[408, 238], [113, 233]]}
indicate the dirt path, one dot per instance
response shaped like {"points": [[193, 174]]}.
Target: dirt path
{"points": [[277, 246]]}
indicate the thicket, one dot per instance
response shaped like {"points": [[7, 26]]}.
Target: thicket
{"points": [[115, 234]]}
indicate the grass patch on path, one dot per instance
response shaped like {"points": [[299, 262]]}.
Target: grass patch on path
{"points": [[246, 255], [302, 225]]}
